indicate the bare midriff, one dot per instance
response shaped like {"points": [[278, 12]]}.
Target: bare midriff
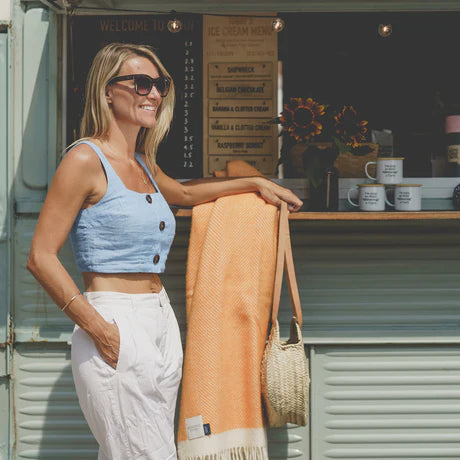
{"points": [[131, 283]]}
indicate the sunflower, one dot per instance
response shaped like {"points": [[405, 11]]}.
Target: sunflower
{"points": [[348, 127], [301, 118]]}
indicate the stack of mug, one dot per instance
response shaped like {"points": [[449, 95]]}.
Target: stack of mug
{"points": [[373, 197]]}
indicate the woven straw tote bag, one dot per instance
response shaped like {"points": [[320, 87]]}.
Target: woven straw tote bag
{"points": [[285, 373]]}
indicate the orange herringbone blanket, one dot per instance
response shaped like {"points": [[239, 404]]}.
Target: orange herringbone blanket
{"points": [[229, 289]]}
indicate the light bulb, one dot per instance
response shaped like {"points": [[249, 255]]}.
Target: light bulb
{"points": [[174, 25], [385, 30], [277, 24]]}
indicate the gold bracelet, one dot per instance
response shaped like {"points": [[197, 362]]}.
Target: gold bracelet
{"points": [[70, 301]]}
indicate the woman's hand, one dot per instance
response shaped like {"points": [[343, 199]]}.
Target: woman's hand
{"points": [[108, 344], [273, 193]]}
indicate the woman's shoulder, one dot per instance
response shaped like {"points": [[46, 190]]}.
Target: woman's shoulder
{"points": [[82, 155], [79, 170], [83, 150]]}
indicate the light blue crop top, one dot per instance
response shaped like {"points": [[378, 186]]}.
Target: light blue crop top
{"points": [[126, 231]]}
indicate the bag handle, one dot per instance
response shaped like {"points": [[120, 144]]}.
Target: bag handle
{"points": [[284, 260]]}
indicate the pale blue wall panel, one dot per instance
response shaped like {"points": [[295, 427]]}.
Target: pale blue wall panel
{"points": [[5, 217], [315, 250], [374, 403], [354, 285], [49, 423], [363, 282], [4, 418], [5, 222], [35, 99], [36, 317], [376, 281], [3, 135]]}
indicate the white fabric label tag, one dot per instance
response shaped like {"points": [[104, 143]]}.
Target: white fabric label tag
{"points": [[194, 427]]}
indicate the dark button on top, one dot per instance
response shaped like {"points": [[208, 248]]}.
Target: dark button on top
{"points": [[162, 225], [148, 198], [156, 259]]}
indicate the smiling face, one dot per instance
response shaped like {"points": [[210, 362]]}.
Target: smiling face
{"points": [[128, 107]]}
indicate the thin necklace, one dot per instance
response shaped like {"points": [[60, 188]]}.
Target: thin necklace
{"points": [[143, 178], [141, 171]]}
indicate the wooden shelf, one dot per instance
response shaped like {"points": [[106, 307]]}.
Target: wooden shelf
{"points": [[358, 216], [372, 216]]}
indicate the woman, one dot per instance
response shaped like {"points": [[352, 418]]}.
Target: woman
{"points": [[126, 348]]}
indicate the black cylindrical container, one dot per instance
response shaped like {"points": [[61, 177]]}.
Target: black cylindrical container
{"points": [[453, 145]]}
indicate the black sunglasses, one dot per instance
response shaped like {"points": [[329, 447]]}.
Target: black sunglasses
{"points": [[143, 83]]}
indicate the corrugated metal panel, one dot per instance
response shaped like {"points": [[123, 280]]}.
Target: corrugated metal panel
{"points": [[377, 281], [49, 423], [356, 283], [290, 441], [370, 403]]}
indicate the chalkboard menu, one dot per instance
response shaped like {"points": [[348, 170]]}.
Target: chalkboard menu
{"points": [[240, 64], [180, 154]]}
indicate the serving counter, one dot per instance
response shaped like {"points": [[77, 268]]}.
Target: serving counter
{"points": [[359, 216], [380, 297]]}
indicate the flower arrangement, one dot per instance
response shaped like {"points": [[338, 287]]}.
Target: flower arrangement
{"points": [[307, 122]]}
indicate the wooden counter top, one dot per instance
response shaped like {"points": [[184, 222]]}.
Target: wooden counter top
{"points": [[359, 216], [372, 216]]}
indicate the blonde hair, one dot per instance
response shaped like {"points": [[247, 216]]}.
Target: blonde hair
{"points": [[96, 115]]}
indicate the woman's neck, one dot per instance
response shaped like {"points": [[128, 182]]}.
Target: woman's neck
{"points": [[122, 139]]}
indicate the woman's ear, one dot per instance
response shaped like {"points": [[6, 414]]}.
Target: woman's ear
{"points": [[108, 95]]}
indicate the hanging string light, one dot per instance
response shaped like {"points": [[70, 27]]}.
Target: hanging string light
{"points": [[174, 25], [277, 24], [385, 30]]}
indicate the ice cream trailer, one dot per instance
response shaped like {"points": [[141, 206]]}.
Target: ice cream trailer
{"points": [[380, 296]]}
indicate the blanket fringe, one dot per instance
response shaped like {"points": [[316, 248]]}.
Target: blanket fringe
{"points": [[234, 453]]}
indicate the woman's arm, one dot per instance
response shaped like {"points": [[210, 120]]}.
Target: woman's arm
{"points": [[198, 191], [73, 184]]}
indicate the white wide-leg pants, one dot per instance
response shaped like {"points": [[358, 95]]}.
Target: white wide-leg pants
{"points": [[130, 409]]}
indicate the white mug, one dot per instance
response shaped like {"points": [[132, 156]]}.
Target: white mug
{"points": [[389, 170], [371, 197], [408, 197]]}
